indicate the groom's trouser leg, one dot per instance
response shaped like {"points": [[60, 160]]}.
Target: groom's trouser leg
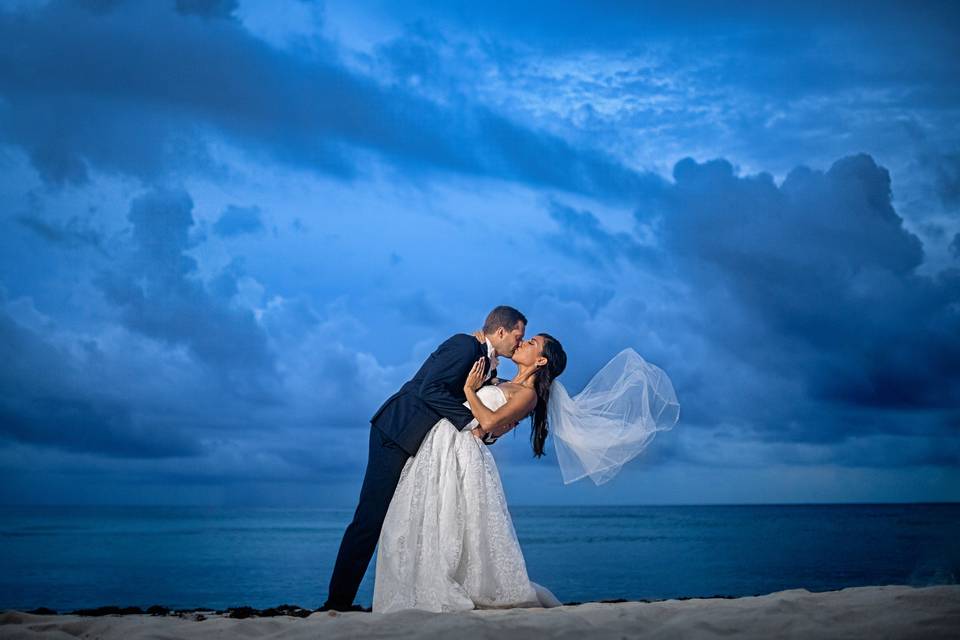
{"points": [[385, 461]]}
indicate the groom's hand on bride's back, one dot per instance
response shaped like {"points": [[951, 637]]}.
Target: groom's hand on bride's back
{"points": [[486, 438]]}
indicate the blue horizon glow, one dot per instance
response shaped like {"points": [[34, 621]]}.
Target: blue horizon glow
{"points": [[232, 228]]}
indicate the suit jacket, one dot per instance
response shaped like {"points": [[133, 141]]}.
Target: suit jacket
{"points": [[434, 392]]}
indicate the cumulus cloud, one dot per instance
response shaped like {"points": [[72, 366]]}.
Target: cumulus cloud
{"points": [[809, 292], [825, 261], [157, 293], [175, 368]]}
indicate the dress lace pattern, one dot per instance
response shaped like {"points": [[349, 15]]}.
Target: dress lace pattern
{"points": [[448, 542]]}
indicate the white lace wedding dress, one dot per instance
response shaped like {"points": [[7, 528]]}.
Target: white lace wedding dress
{"points": [[448, 542]]}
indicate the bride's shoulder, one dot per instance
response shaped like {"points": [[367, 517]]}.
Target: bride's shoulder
{"points": [[511, 389]]}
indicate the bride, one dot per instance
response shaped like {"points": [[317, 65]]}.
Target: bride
{"points": [[448, 542]]}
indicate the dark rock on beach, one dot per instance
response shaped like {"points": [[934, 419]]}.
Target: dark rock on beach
{"points": [[270, 612], [286, 610]]}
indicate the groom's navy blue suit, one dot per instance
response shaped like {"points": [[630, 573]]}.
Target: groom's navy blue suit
{"points": [[397, 429]]}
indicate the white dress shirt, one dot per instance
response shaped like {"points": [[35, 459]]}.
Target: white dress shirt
{"points": [[492, 356]]}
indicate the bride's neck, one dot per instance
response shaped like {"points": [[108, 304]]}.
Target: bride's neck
{"points": [[524, 376]]}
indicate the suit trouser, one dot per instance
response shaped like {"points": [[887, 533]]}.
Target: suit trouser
{"points": [[385, 461]]}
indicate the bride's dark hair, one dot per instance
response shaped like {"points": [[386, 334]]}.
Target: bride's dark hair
{"points": [[556, 363]]}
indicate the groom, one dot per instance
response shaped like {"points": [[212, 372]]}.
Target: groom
{"points": [[401, 424]]}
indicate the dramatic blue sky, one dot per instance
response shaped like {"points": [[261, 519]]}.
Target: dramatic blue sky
{"points": [[231, 228]]}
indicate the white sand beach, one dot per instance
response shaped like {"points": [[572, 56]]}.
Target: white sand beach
{"points": [[864, 612]]}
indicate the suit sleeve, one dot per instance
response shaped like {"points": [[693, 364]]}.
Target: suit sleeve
{"points": [[453, 362], [489, 439]]}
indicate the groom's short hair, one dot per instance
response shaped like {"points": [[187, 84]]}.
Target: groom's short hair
{"points": [[503, 316]]}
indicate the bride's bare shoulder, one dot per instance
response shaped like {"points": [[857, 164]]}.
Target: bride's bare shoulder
{"points": [[510, 389]]}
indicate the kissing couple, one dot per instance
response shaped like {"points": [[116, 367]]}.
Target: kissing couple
{"points": [[431, 495]]}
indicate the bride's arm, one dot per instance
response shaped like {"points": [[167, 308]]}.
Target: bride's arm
{"points": [[517, 407]]}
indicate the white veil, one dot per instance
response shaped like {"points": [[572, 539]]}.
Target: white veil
{"points": [[613, 419]]}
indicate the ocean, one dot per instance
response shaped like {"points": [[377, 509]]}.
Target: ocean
{"points": [[66, 558]]}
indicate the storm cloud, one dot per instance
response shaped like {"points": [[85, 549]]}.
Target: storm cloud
{"points": [[814, 287], [228, 234], [145, 106]]}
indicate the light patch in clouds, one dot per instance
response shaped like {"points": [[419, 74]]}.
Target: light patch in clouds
{"points": [[285, 24]]}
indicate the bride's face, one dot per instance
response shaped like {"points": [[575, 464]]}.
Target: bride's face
{"points": [[530, 352]]}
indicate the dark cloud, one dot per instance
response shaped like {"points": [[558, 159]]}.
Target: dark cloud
{"points": [[585, 239], [78, 425], [158, 294], [940, 168], [173, 368], [139, 105], [73, 234], [946, 173], [44, 401], [839, 224], [813, 286], [235, 221], [543, 160], [825, 261], [224, 284]]}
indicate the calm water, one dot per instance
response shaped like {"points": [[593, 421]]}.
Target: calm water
{"points": [[65, 558]]}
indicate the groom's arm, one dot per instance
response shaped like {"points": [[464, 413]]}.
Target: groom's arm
{"points": [[453, 361]]}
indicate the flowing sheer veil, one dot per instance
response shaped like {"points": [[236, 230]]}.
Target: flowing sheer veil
{"points": [[613, 419]]}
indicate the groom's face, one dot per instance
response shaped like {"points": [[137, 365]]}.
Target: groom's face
{"points": [[509, 339]]}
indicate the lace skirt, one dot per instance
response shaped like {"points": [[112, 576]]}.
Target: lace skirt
{"points": [[448, 542]]}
